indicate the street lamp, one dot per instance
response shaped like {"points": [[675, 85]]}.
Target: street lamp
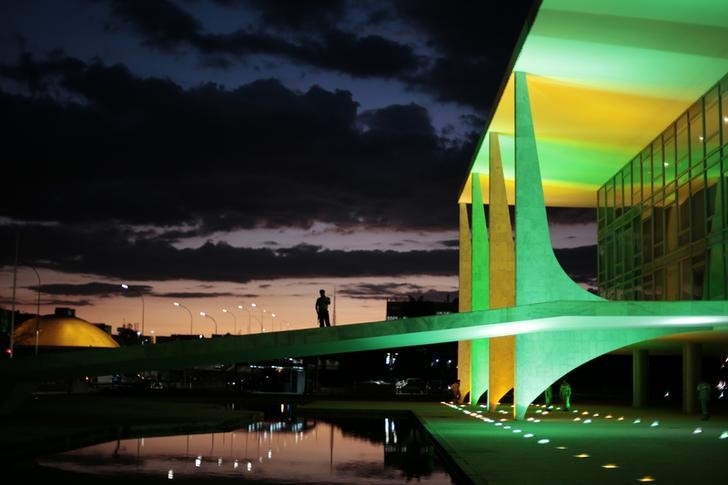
{"points": [[177, 304], [235, 320], [210, 317], [127, 287], [261, 316], [37, 311], [273, 322], [243, 308]]}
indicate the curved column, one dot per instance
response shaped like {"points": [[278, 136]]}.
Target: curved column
{"points": [[543, 357], [480, 271], [465, 296], [539, 276], [502, 276]]}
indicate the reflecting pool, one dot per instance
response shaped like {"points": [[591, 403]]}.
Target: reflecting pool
{"points": [[292, 450]]}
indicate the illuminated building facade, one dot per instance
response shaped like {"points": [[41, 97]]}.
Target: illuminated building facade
{"points": [[591, 85], [663, 223]]}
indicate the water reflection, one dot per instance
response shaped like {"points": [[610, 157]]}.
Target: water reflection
{"points": [[293, 450]]}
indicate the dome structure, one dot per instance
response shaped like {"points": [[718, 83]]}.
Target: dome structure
{"points": [[62, 329]]}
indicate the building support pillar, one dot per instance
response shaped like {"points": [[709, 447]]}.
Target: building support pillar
{"points": [[465, 297], [691, 373], [502, 277], [640, 376], [479, 349]]}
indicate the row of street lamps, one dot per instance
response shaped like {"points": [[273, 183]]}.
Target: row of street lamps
{"points": [[207, 315], [235, 319]]}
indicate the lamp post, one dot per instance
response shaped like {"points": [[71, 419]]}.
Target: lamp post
{"points": [[243, 308], [127, 287], [210, 317], [179, 305], [261, 316], [273, 322], [37, 311], [235, 320]]}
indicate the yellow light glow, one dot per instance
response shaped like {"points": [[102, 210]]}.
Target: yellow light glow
{"points": [[582, 455], [609, 466], [646, 479]]}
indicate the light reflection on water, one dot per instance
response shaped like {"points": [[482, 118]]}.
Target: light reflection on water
{"points": [[294, 451]]}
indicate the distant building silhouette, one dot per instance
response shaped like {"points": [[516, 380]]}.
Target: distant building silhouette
{"points": [[419, 307]]}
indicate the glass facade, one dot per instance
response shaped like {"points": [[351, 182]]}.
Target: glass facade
{"points": [[663, 223]]}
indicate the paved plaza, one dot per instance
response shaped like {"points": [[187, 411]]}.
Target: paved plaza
{"points": [[588, 445]]}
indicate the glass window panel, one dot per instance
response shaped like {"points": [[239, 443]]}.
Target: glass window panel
{"points": [[697, 136], [618, 200], [712, 194], [647, 288], [601, 198], [670, 225], [697, 206], [686, 278], [627, 183], [647, 175], [682, 145], [724, 114], [669, 154], [647, 236], [636, 181], [659, 285], [712, 121], [609, 203]]}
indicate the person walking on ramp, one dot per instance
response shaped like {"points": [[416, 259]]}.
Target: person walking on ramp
{"points": [[322, 309]]}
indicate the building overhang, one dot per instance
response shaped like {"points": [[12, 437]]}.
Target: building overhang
{"points": [[605, 79]]}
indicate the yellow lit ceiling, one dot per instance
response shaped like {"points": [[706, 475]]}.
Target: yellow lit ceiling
{"points": [[605, 78]]}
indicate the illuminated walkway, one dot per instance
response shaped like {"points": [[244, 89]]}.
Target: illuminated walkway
{"points": [[599, 327], [606, 445]]}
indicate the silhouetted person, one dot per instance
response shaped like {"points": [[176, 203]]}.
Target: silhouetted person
{"points": [[322, 309], [547, 396], [565, 394], [704, 398], [455, 390]]}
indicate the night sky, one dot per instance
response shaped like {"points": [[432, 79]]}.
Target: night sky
{"points": [[221, 152]]}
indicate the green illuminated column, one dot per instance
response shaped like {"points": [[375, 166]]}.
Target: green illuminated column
{"points": [[480, 271], [466, 254], [502, 276], [464, 303], [692, 370], [539, 277], [640, 376]]}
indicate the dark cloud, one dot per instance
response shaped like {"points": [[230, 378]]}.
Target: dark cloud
{"points": [[107, 252], [167, 26], [195, 294], [474, 44], [394, 291], [297, 15], [469, 47], [450, 243], [580, 263], [44, 302], [571, 215], [91, 289], [146, 151]]}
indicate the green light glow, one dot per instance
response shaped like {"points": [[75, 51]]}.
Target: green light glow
{"points": [[606, 78]]}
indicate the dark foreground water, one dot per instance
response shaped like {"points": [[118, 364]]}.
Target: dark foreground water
{"points": [[279, 450]]}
